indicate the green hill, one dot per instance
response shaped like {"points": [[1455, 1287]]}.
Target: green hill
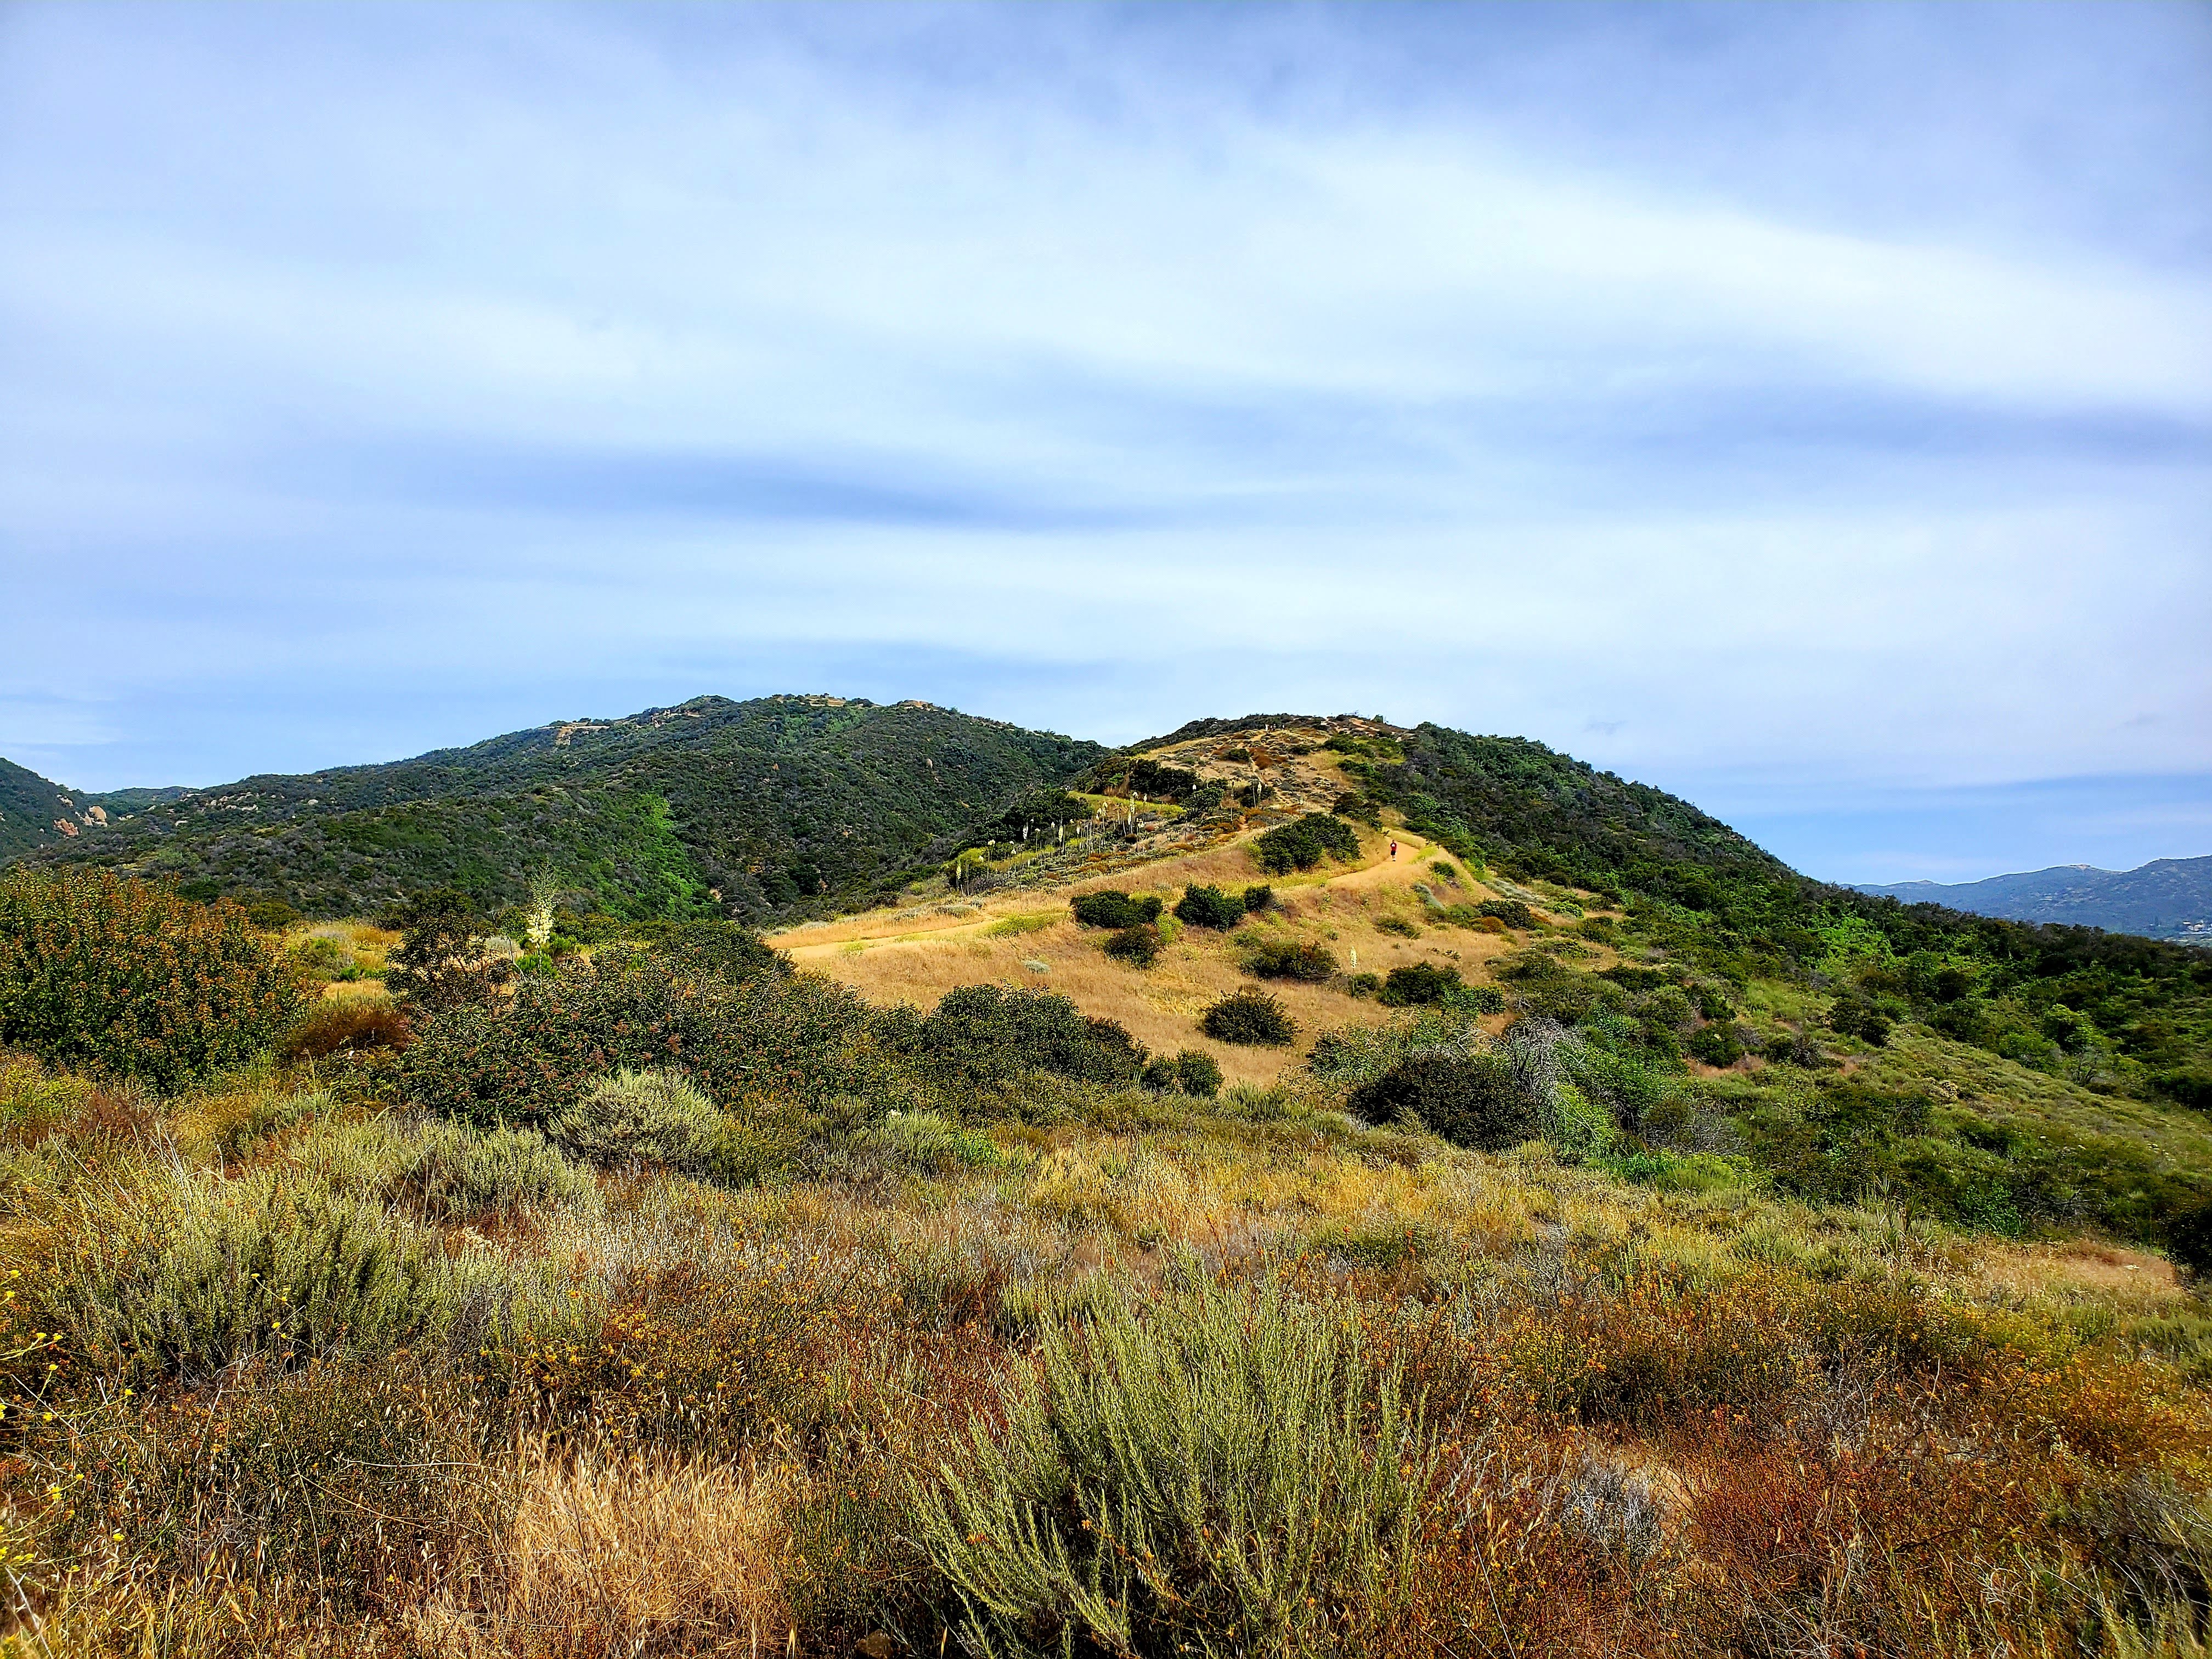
{"points": [[36, 811], [779, 804]]}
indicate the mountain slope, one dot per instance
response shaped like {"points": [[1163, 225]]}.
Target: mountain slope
{"points": [[2166, 898], [36, 811], [712, 806]]}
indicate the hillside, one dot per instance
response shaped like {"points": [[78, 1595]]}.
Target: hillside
{"points": [[780, 804], [35, 812], [2166, 898], [1622, 1234]]}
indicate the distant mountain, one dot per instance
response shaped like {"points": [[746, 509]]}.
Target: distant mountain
{"points": [[776, 805], [2166, 898]]}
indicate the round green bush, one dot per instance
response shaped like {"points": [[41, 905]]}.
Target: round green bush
{"points": [[1209, 907], [1251, 1017], [1475, 1101], [638, 1117], [1419, 984], [1293, 958], [1198, 1072], [1139, 946], [102, 973]]}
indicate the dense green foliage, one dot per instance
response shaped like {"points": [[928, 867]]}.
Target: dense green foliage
{"points": [[1474, 1100], [1209, 907], [777, 803], [1304, 843], [1305, 959], [125, 978], [2112, 1010], [981, 1034], [1114, 909], [441, 962], [1138, 946], [1249, 1016]]}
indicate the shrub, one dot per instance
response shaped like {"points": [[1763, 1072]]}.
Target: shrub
{"points": [[1198, 1073], [109, 975], [1514, 912], [1251, 1017], [202, 1274], [1257, 898], [1472, 998], [1209, 907], [935, 1145], [1853, 1015], [349, 1026], [1293, 958], [1472, 1100], [638, 1117], [1363, 984], [1114, 908], [1304, 843], [985, 1033], [2189, 1242], [798, 1037], [441, 960], [1716, 1045], [1419, 984], [1398, 924], [1229, 1474], [271, 916], [455, 1174], [1190, 1072], [1139, 946], [716, 950]]}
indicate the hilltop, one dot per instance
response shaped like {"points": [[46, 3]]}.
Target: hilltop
{"points": [[2166, 898]]}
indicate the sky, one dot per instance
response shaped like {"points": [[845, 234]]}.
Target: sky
{"points": [[1807, 409]]}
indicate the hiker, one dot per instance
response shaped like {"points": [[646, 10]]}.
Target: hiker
{"points": [[1394, 849]]}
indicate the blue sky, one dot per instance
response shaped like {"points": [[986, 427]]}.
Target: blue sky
{"points": [[1807, 410]]}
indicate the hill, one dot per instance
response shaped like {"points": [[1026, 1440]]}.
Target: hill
{"points": [[36, 811], [1607, 1229], [2166, 898], [783, 803]]}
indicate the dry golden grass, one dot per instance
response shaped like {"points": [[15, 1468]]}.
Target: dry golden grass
{"points": [[918, 960], [629, 1552]]}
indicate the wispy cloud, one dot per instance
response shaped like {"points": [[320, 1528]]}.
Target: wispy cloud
{"points": [[1819, 393]]}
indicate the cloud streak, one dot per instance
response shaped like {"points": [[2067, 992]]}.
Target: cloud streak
{"points": [[1823, 394]]}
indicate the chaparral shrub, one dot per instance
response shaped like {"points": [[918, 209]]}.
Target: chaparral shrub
{"points": [[1249, 1016], [441, 960], [1140, 946], [106, 974], [638, 1117], [800, 1037], [1293, 958], [1304, 843], [984, 1033], [1474, 1100], [1417, 984], [1209, 907], [1114, 908]]}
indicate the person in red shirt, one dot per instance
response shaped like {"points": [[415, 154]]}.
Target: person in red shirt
{"points": [[1394, 849]]}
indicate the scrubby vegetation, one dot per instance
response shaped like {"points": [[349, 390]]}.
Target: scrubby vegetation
{"points": [[1304, 843], [1621, 1289], [779, 804], [125, 979]]}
